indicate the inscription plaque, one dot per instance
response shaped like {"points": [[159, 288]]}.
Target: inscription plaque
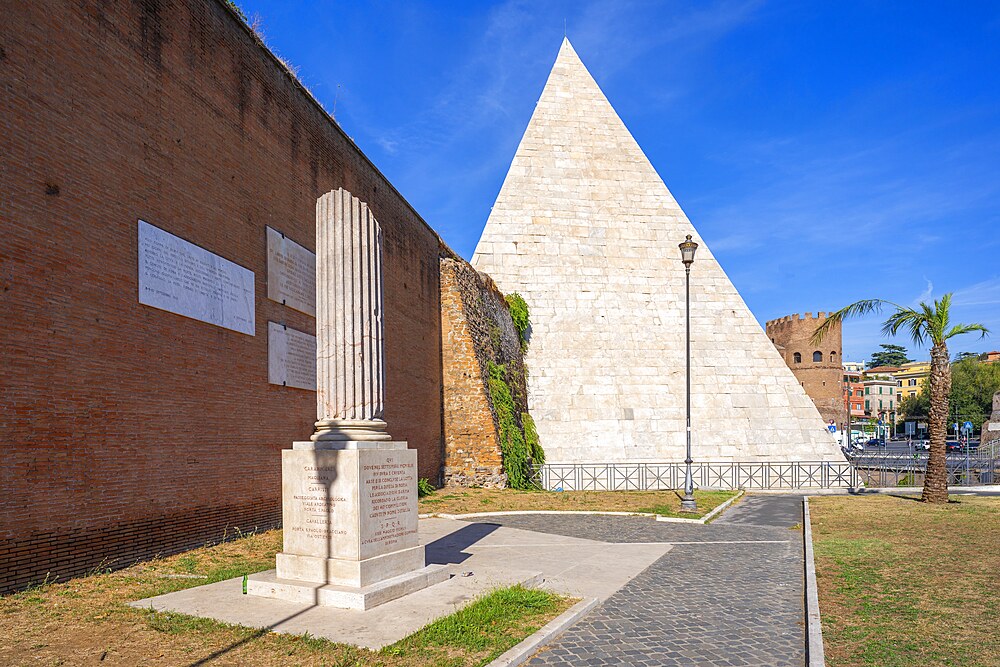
{"points": [[183, 278], [291, 273], [291, 357], [388, 504]]}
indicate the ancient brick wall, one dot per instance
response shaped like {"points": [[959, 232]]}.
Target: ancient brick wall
{"points": [[129, 431], [823, 379], [476, 329]]}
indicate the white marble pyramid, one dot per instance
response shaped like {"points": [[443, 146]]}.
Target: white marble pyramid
{"points": [[587, 232]]}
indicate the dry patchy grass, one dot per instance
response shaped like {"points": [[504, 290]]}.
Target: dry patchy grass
{"points": [[86, 621], [668, 503], [904, 583]]}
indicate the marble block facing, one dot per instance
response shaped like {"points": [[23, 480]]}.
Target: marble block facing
{"points": [[350, 517]]}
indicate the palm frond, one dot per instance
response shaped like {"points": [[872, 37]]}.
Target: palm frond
{"points": [[960, 329], [909, 319], [856, 309]]}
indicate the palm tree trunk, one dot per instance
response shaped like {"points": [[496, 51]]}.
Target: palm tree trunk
{"points": [[936, 479]]}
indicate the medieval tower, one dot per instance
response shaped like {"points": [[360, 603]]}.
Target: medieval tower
{"points": [[587, 232], [817, 366]]}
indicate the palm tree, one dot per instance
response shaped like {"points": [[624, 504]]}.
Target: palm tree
{"points": [[925, 323]]}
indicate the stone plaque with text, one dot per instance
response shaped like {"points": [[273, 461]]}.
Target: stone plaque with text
{"points": [[186, 279], [291, 273], [291, 357]]}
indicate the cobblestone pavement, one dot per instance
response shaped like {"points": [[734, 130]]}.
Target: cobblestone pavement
{"points": [[729, 593]]}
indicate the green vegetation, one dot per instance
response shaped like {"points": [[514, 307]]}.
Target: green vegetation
{"points": [[531, 440], [971, 397], [87, 620], [516, 459], [889, 355], [485, 628], [519, 313], [236, 8], [927, 323], [902, 583], [666, 503], [424, 487]]}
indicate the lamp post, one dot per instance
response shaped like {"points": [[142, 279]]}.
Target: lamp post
{"points": [[687, 257]]}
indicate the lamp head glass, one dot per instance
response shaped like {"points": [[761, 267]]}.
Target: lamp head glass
{"points": [[687, 251]]}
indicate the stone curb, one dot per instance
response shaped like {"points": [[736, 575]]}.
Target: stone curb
{"points": [[814, 627], [659, 517], [708, 517], [547, 633], [865, 490]]}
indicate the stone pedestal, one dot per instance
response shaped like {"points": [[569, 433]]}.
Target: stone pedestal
{"points": [[349, 495], [350, 526]]}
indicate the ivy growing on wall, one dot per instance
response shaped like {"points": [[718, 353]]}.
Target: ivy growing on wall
{"points": [[519, 313], [531, 440], [515, 451]]}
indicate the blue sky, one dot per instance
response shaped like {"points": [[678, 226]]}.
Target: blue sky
{"points": [[826, 152]]}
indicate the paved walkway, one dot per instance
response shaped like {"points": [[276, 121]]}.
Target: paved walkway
{"points": [[729, 593]]}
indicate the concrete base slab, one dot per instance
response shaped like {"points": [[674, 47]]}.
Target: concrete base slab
{"points": [[481, 557], [268, 585]]}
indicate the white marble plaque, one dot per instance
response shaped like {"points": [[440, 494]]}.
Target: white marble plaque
{"points": [[291, 273], [291, 357], [186, 279]]}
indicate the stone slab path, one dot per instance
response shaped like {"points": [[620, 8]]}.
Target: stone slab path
{"points": [[729, 593]]}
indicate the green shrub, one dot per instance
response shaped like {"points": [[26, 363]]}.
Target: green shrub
{"points": [[424, 487]]}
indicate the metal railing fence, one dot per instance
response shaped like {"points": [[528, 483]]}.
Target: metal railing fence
{"points": [[869, 469]]}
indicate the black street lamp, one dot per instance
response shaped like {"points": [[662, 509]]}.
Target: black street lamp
{"points": [[687, 257]]}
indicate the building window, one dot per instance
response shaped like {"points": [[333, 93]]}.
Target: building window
{"points": [[880, 390], [890, 391], [833, 357], [868, 390], [797, 358], [817, 356], [868, 405], [911, 383]]}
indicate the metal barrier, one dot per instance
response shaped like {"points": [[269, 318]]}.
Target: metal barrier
{"points": [[869, 469]]}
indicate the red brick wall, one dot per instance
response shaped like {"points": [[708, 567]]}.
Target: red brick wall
{"points": [[471, 442], [127, 430]]}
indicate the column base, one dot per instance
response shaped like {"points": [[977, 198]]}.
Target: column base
{"points": [[269, 585], [342, 572], [350, 429]]}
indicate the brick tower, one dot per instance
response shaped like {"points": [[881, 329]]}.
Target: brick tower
{"points": [[817, 367]]}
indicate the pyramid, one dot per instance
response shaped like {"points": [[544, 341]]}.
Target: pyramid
{"points": [[587, 232]]}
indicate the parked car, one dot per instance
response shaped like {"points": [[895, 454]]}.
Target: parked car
{"points": [[874, 442], [922, 445], [954, 446]]}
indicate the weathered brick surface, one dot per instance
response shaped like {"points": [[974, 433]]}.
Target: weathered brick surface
{"points": [[115, 415], [476, 329]]}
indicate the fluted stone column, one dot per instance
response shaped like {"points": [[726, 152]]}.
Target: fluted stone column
{"points": [[349, 494], [350, 361]]}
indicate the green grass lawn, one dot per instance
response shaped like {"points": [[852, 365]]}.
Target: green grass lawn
{"points": [[667, 503], [87, 621], [902, 583]]}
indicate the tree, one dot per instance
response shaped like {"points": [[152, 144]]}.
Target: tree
{"points": [[971, 397], [925, 324], [961, 356], [889, 355]]}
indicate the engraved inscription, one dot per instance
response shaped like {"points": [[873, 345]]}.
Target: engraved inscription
{"points": [[291, 357], [291, 273], [389, 487], [316, 503], [186, 279]]}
